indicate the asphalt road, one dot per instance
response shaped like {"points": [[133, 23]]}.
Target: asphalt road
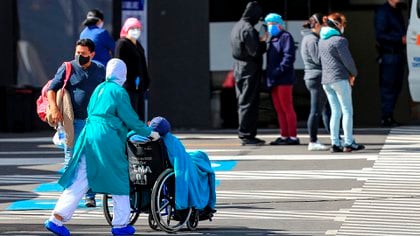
{"points": [[267, 190]]}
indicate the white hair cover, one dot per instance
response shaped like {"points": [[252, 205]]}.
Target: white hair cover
{"points": [[116, 71]]}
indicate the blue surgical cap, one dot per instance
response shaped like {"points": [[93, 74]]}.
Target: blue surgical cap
{"points": [[273, 17], [160, 125]]}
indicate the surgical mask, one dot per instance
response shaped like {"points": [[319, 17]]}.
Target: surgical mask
{"points": [[101, 25], [134, 33], [82, 60], [342, 30], [273, 30]]}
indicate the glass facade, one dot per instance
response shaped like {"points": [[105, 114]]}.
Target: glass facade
{"points": [[48, 32]]}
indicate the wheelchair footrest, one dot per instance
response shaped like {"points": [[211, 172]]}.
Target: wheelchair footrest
{"points": [[206, 214]]}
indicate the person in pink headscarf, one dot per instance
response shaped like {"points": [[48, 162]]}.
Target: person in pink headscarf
{"points": [[129, 49]]}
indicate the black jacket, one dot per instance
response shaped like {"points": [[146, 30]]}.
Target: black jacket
{"points": [[245, 42], [135, 59]]}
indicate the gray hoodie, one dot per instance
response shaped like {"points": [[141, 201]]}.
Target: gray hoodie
{"points": [[336, 60]]}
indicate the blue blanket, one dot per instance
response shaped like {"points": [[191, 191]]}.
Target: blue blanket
{"points": [[194, 176]]}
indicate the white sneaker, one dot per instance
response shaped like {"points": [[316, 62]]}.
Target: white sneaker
{"points": [[317, 146]]}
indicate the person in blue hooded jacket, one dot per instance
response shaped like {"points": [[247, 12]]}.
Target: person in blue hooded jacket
{"points": [[281, 77], [99, 162], [338, 75]]}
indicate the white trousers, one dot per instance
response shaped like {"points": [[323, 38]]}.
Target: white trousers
{"points": [[70, 198]]}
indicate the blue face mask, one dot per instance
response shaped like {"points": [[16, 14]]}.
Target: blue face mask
{"points": [[273, 30]]}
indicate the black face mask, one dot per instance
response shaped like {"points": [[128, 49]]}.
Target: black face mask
{"points": [[82, 60]]}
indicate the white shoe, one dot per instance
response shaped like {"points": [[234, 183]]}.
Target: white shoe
{"points": [[317, 146]]}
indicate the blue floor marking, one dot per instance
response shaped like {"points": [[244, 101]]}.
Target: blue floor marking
{"points": [[49, 187], [223, 165], [42, 204]]}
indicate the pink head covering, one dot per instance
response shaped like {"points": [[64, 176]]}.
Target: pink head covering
{"points": [[129, 23]]}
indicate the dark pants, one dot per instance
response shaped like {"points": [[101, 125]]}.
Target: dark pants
{"points": [[391, 72], [137, 102], [319, 107], [247, 87]]}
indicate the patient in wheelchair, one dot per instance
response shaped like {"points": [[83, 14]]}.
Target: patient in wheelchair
{"points": [[194, 176]]}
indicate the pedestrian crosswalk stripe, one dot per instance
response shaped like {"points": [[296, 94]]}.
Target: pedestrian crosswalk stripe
{"points": [[25, 179], [89, 213], [288, 157], [36, 204], [395, 181]]}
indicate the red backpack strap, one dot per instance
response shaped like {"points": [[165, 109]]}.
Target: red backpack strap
{"points": [[68, 73]]}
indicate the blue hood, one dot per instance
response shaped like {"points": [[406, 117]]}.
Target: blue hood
{"points": [[328, 32]]}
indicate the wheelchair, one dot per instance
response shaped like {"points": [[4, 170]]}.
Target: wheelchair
{"points": [[152, 188]]}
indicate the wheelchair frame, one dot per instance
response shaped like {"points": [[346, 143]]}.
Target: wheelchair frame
{"points": [[161, 207]]}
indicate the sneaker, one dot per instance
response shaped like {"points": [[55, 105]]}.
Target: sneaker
{"points": [[252, 142], [389, 122], [335, 148], [90, 202], [353, 147], [317, 146], [294, 141], [57, 230], [279, 141], [127, 230]]}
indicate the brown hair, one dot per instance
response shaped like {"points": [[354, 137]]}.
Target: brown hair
{"points": [[335, 18]]}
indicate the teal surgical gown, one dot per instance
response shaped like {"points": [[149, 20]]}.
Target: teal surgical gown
{"points": [[103, 141]]}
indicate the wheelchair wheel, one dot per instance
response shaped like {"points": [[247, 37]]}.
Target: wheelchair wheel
{"points": [[152, 222], [108, 208], [192, 222], [163, 204]]}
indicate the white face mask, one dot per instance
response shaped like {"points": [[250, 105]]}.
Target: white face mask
{"points": [[342, 30], [100, 25], [134, 33]]}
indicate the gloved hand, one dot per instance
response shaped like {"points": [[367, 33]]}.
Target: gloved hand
{"points": [[154, 136]]}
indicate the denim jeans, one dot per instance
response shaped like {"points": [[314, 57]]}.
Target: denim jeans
{"points": [[78, 126], [319, 107], [339, 97]]}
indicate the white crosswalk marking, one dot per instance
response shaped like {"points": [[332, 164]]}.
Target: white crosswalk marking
{"points": [[386, 198], [390, 203], [293, 174], [25, 179]]}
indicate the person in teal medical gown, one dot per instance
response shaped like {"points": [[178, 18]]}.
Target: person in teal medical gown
{"points": [[99, 160]]}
